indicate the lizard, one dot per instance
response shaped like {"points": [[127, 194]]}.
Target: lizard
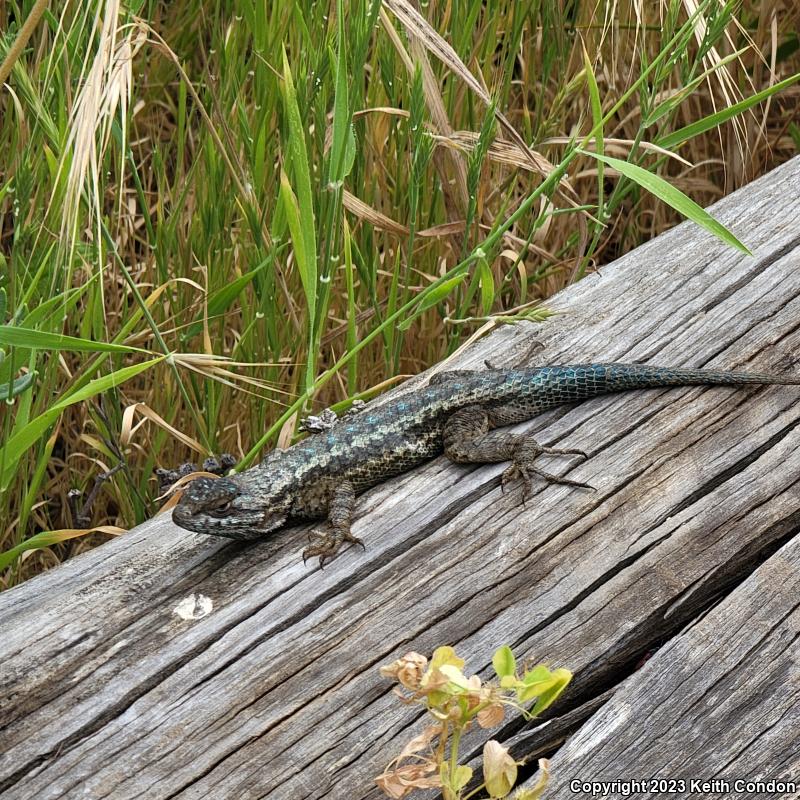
{"points": [[460, 413]]}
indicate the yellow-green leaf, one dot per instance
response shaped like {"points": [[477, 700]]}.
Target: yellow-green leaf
{"points": [[446, 655], [504, 662], [48, 538], [561, 677], [461, 777], [499, 769]]}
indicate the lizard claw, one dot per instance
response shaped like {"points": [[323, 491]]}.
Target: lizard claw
{"points": [[354, 540], [510, 474], [328, 544], [320, 550], [325, 546], [513, 472]]}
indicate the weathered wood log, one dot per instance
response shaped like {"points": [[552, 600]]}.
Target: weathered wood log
{"points": [[717, 708], [108, 693]]}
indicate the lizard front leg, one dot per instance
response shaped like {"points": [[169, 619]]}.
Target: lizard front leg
{"points": [[340, 515], [468, 439]]}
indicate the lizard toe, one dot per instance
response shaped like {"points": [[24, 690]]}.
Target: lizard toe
{"points": [[325, 551], [348, 537], [510, 474]]}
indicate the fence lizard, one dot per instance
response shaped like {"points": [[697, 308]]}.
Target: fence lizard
{"points": [[456, 413]]}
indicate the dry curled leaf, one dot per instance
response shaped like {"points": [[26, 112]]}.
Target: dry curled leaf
{"points": [[371, 215], [420, 742], [398, 782], [399, 778], [491, 716], [407, 670], [509, 153], [499, 769], [129, 428]]}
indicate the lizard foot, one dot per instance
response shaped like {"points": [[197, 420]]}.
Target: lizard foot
{"points": [[328, 543], [522, 467]]}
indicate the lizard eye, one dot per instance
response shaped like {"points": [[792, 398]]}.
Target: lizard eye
{"points": [[221, 511]]}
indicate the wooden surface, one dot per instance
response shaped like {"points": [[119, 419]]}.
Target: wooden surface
{"points": [[720, 702], [671, 592]]}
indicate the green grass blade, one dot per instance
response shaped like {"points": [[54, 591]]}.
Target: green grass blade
{"points": [[338, 166], [40, 540], [223, 298], [672, 140], [597, 122], [672, 197], [433, 297], [291, 210], [303, 205], [18, 444], [352, 331], [298, 157], [41, 340]]}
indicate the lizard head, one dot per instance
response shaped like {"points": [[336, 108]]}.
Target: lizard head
{"points": [[225, 507]]}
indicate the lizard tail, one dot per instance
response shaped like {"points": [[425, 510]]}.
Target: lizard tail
{"points": [[529, 391], [618, 377], [569, 383]]}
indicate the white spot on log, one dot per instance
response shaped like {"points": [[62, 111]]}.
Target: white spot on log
{"points": [[195, 606]]}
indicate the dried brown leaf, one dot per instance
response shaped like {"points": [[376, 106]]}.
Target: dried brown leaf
{"points": [[369, 214], [287, 431], [398, 779], [509, 153], [129, 429], [419, 27], [420, 742], [399, 782], [407, 670], [491, 716]]}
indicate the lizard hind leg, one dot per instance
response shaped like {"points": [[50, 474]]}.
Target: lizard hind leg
{"points": [[525, 453], [468, 439], [340, 515]]}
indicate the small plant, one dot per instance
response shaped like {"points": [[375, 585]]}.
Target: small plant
{"points": [[455, 702]]}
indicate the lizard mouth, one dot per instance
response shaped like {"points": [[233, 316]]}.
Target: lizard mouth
{"points": [[240, 524], [251, 524]]}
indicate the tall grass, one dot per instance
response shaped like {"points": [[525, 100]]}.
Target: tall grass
{"points": [[218, 216]]}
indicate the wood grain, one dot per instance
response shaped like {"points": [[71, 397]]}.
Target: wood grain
{"points": [[106, 692], [719, 703]]}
